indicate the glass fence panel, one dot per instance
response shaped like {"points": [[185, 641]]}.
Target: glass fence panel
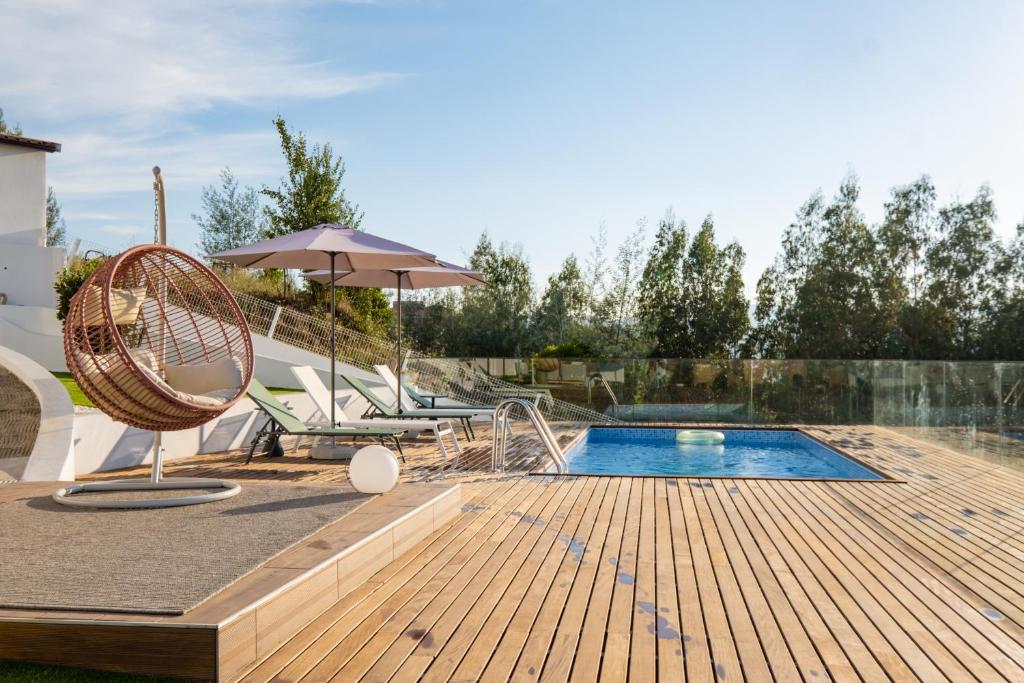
{"points": [[972, 407]]}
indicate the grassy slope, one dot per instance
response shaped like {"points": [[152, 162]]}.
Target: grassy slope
{"points": [[79, 399]]}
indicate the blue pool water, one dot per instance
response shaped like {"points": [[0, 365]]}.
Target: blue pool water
{"points": [[780, 454]]}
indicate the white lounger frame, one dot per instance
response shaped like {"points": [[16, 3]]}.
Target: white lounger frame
{"points": [[321, 398]]}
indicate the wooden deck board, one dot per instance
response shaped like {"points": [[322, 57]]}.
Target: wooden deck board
{"points": [[665, 579]]}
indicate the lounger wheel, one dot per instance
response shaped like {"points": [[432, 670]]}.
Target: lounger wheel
{"points": [[67, 496]]}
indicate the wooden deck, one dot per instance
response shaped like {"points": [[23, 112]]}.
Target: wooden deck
{"points": [[644, 579]]}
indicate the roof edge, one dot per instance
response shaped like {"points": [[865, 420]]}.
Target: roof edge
{"points": [[22, 141]]}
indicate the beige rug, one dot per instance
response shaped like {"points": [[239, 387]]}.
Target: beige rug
{"points": [[19, 416], [153, 561]]}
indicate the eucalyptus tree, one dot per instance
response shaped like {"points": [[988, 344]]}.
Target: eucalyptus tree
{"points": [[838, 311], [904, 237], [56, 227], [660, 289], [231, 215], [714, 305], [964, 282], [615, 315], [564, 306], [691, 293], [312, 192], [495, 320]]}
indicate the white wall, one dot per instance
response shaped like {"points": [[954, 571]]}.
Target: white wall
{"points": [[103, 444], [35, 332], [27, 267], [22, 195], [52, 457], [27, 272]]}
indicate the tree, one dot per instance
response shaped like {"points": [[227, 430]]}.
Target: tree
{"points": [[713, 304], [1003, 339], [660, 287], [595, 272], [10, 129], [904, 237], [496, 318], [312, 191], [838, 312], [231, 215], [564, 305], [964, 280], [310, 194], [615, 314], [768, 338], [56, 228]]}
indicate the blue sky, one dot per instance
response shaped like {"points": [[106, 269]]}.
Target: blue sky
{"points": [[537, 121]]}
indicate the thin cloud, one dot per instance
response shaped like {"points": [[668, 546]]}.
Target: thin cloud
{"points": [[135, 64], [96, 164], [122, 230]]}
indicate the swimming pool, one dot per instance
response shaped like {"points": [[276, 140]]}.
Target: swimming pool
{"points": [[754, 453]]}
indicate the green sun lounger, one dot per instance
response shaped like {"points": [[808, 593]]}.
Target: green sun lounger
{"points": [[380, 407], [283, 422]]}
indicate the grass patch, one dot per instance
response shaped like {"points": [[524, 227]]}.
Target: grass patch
{"points": [[18, 672], [77, 397], [80, 399]]}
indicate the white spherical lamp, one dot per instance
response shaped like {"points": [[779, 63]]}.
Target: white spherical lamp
{"points": [[374, 469]]}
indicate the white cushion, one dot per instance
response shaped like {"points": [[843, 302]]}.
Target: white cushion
{"points": [[205, 378], [125, 305]]}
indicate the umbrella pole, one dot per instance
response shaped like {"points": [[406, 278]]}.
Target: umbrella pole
{"points": [[398, 368], [334, 341]]}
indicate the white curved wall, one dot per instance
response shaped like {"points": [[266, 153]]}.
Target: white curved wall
{"points": [[53, 456]]}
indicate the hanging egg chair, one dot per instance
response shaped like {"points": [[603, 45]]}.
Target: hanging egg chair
{"points": [[156, 341]]}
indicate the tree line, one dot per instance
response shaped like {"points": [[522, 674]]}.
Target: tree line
{"points": [[927, 282]]}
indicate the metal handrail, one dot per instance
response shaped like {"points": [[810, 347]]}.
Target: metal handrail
{"points": [[502, 431], [604, 383]]}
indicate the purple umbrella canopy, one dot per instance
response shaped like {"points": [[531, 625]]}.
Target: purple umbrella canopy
{"points": [[441, 274], [311, 249], [332, 246]]}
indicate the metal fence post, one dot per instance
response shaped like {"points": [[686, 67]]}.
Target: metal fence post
{"points": [[273, 322]]}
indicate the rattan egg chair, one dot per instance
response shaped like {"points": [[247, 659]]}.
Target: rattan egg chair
{"points": [[156, 341]]}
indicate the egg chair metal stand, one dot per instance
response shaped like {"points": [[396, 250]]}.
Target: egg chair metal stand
{"points": [[155, 340]]}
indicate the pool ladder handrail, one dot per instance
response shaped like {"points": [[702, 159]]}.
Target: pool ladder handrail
{"points": [[502, 430]]}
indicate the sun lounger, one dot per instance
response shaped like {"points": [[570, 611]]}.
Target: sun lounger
{"points": [[283, 422], [413, 400], [321, 398], [380, 407]]}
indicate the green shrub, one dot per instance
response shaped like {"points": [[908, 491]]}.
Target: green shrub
{"points": [[70, 279], [572, 349]]}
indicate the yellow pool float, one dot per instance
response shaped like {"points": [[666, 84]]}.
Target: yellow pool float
{"points": [[699, 436]]}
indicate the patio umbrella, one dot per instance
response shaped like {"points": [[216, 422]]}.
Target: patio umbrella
{"points": [[441, 274], [331, 246]]}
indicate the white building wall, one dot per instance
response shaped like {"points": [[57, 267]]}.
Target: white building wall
{"points": [[27, 267], [22, 195]]}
